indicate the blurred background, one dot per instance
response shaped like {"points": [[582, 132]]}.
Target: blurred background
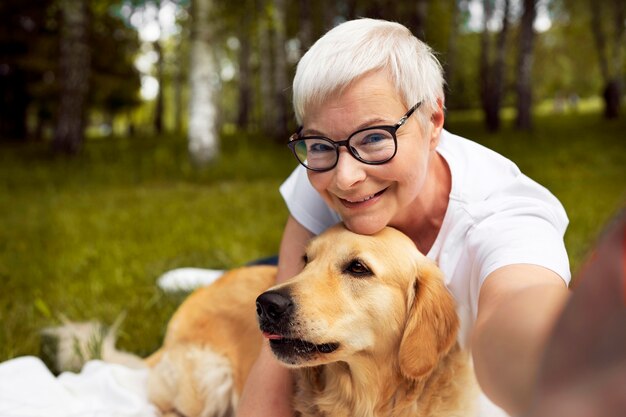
{"points": [[138, 136]]}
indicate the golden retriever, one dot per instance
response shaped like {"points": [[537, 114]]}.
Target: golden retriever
{"points": [[368, 328]]}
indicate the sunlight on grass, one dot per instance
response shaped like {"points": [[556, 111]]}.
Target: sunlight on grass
{"points": [[87, 237]]}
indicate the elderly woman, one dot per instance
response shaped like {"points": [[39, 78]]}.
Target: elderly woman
{"points": [[372, 149]]}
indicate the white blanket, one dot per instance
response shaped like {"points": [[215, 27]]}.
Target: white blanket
{"points": [[28, 389]]}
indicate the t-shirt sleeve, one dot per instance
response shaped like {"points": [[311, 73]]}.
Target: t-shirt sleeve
{"points": [[525, 229], [305, 204]]}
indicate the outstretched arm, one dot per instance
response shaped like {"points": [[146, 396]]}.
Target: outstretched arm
{"points": [[269, 386], [517, 309]]}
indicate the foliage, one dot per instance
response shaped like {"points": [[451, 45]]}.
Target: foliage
{"points": [[87, 237]]}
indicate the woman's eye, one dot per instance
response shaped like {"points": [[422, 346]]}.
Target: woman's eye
{"points": [[373, 138], [358, 268], [320, 147]]}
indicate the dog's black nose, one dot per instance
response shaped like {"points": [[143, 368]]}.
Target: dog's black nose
{"points": [[273, 306]]}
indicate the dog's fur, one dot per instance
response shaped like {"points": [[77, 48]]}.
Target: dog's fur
{"points": [[371, 331]]}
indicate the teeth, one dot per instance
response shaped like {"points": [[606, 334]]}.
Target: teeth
{"points": [[360, 201]]}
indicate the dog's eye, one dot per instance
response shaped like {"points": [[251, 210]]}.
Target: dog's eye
{"points": [[305, 259], [358, 268]]}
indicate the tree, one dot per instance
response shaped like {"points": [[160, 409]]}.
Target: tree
{"points": [[525, 65], [492, 73], [23, 42], [458, 9], [158, 47], [265, 69], [203, 134], [280, 70], [418, 19], [74, 70], [245, 75], [612, 69]]}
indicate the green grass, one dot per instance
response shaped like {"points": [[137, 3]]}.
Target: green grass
{"points": [[88, 236]]}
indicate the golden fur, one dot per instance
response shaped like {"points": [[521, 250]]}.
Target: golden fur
{"points": [[392, 325]]}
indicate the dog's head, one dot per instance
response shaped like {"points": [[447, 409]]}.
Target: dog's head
{"points": [[357, 295]]}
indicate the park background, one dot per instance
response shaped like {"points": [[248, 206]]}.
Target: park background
{"points": [[139, 136]]}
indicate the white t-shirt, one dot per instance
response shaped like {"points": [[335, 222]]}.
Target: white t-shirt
{"points": [[496, 216]]}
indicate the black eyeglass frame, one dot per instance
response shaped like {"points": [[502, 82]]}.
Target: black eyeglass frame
{"points": [[295, 138]]}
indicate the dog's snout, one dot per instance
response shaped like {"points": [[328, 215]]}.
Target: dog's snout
{"points": [[273, 306]]}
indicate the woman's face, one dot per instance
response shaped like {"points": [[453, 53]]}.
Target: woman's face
{"points": [[370, 197]]}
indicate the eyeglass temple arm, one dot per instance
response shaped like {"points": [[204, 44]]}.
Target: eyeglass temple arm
{"points": [[408, 114]]}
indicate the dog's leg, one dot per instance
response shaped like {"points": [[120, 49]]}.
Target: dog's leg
{"points": [[193, 382]]}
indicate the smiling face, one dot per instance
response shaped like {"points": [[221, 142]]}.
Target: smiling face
{"points": [[370, 197]]}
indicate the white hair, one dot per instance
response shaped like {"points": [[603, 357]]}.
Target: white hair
{"points": [[357, 47]]}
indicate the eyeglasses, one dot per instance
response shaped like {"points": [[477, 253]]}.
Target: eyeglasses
{"points": [[373, 146]]}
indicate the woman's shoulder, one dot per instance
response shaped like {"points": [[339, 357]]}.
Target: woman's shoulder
{"points": [[477, 171], [485, 182]]}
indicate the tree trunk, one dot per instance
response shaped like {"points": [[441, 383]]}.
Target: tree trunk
{"points": [[418, 22], [74, 71], [178, 94], [265, 70], [202, 134], [280, 71], [611, 69], [614, 87], [14, 100], [329, 14], [158, 108], [305, 34], [485, 58], [452, 43], [245, 89], [492, 74], [525, 66]]}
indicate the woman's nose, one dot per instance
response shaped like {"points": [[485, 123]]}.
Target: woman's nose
{"points": [[348, 171]]}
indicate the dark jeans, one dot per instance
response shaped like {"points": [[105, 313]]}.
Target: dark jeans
{"points": [[271, 260]]}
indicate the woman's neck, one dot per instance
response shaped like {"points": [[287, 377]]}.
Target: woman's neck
{"points": [[425, 216]]}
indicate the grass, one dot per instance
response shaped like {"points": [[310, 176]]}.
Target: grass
{"points": [[87, 237]]}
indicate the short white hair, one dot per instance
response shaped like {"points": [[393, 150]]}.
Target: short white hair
{"points": [[357, 47]]}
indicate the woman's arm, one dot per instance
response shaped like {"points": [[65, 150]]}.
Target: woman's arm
{"points": [[268, 389], [517, 309]]}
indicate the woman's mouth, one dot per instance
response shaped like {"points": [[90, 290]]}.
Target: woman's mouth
{"points": [[362, 202]]}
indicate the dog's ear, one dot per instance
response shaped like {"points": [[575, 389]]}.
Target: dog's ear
{"points": [[431, 325]]}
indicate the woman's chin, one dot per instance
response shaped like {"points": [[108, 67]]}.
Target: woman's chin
{"points": [[365, 226]]}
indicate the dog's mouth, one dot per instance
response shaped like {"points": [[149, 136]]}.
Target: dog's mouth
{"points": [[292, 350]]}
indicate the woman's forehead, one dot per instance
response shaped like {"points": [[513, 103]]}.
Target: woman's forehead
{"points": [[370, 100]]}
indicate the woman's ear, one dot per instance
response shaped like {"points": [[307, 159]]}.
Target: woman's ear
{"points": [[431, 325], [437, 119]]}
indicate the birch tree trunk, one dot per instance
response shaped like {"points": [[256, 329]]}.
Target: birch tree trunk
{"points": [[74, 71], [202, 134], [525, 66]]}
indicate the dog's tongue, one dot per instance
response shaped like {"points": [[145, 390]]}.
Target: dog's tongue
{"points": [[272, 336]]}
